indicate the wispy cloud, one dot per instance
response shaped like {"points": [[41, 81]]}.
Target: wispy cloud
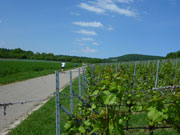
{"points": [[110, 28], [86, 32], [173, 2], [83, 41], [87, 39], [95, 43], [125, 1], [91, 8], [89, 24], [89, 50], [75, 13], [102, 6]]}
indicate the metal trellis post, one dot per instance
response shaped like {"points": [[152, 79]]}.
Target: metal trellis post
{"points": [[57, 105], [71, 92], [156, 82], [134, 74], [79, 82]]}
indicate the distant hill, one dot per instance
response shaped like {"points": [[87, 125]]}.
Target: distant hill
{"points": [[132, 57], [173, 55]]}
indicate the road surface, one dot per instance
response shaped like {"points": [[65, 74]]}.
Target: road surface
{"points": [[34, 89]]}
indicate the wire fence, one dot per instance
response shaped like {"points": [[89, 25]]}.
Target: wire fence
{"points": [[171, 89]]}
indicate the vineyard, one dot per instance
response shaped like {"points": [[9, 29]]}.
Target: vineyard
{"points": [[130, 98]]}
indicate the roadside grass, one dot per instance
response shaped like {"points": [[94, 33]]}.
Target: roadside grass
{"points": [[43, 121], [18, 70]]}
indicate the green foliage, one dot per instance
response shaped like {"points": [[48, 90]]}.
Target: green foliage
{"points": [[173, 55], [111, 86]]}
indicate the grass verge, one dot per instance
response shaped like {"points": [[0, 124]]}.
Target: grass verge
{"points": [[42, 121]]}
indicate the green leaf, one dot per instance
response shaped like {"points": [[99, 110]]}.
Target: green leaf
{"points": [[93, 106], [110, 99], [82, 129], [87, 123], [68, 125], [120, 121], [95, 93]]}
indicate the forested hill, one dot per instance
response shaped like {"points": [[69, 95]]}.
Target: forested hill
{"points": [[173, 55], [132, 57], [21, 54]]}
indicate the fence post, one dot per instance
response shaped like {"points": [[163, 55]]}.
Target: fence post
{"points": [[83, 80], [156, 82], [71, 92], [176, 68], [57, 105], [79, 70], [134, 74]]}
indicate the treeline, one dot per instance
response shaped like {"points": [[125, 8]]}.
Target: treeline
{"points": [[173, 55], [22, 54]]}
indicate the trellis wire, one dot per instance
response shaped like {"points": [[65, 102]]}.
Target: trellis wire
{"points": [[5, 105]]}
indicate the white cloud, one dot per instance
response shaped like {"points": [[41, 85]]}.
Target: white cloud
{"points": [[91, 8], [83, 41], [89, 24], [108, 5], [95, 43], [86, 32], [110, 28], [125, 1], [111, 6], [87, 39], [89, 50], [75, 13]]}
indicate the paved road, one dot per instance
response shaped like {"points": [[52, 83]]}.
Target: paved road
{"points": [[33, 89]]}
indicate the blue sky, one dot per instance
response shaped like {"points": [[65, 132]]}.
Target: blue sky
{"points": [[93, 28]]}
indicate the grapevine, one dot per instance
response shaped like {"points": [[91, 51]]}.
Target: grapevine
{"points": [[118, 99]]}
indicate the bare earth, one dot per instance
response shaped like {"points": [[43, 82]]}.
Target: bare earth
{"points": [[34, 89]]}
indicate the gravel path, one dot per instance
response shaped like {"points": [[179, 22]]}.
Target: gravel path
{"points": [[33, 89]]}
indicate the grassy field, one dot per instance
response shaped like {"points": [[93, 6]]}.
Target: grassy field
{"points": [[17, 70], [42, 121]]}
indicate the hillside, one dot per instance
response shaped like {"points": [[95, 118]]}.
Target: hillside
{"points": [[132, 57], [173, 55]]}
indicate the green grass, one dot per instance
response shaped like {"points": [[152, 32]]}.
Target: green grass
{"points": [[42, 121], [18, 70]]}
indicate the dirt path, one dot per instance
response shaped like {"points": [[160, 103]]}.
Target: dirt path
{"points": [[33, 89]]}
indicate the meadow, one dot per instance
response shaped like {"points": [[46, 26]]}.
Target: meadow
{"points": [[13, 70]]}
